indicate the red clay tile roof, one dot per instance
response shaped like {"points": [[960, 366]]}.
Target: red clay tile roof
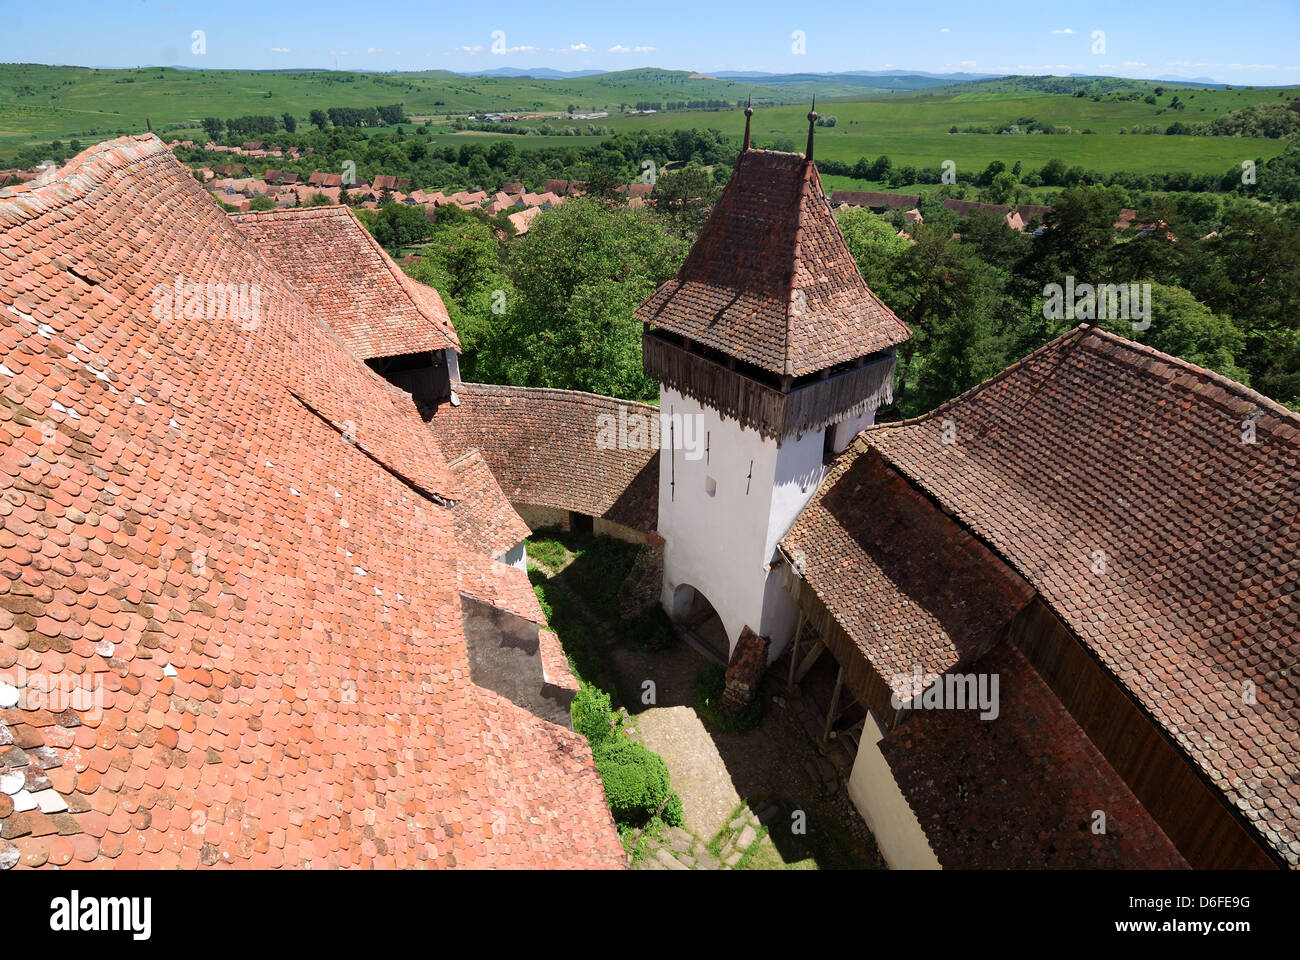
{"points": [[871, 548], [555, 665], [383, 181], [1018, 791], [964, 208], [866, 198], [770, 280], [347, 279], [485, 521], [265, 618], [500, 585], [1118, 481], [541, 446]]}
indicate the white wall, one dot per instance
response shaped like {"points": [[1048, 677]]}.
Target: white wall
{"points": [[846, 430], [722, 543], [875, 793], [453, 364]]}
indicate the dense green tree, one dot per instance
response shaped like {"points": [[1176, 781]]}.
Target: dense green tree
{"points": [[578, 275]]}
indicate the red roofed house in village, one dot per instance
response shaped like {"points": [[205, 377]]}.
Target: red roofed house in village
{"points": [[265, 590]]}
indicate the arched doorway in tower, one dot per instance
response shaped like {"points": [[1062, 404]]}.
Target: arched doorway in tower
{"points": [[696, 618]]}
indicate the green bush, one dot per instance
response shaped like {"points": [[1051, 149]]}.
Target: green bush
{"points": [[592, 714], [673, 814], [635, 779]]}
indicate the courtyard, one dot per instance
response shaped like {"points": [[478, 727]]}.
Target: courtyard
{"points": [[761, 795]]}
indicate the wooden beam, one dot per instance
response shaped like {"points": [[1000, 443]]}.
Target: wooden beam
{"points": [[835, 702], [813, 653], [794, 648]]}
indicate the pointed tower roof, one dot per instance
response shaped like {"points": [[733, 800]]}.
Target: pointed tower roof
{"points": [[770, 280]]}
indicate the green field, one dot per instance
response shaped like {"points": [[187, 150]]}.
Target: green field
{"points": [[41, 103]]}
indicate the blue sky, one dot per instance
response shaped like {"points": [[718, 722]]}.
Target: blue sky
{"points": [[1249, 42]]}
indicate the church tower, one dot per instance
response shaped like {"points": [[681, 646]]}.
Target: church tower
{"points": [[771, 353]]}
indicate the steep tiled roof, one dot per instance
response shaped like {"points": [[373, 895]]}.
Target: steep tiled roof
{"points": [[770, 280], [485, 521], [348, 280], [208, 527], [1155, 507], [870, 546], [542, 447], [1017, 791]]}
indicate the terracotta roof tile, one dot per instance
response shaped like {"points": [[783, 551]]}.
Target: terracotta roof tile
{"points": [[1153, 505], [770, 280], [542, 447], [348, 280], [485, 521], [1018, 791], [869, 546], [262, 613]]}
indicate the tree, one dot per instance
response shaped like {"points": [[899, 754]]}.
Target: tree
{"points": [[319, 119], [1183, 327], [213, 126], [578, 275], [604, 183], [396, 225], [682, 196], [289, 121], [262, 203], [877, 249]]}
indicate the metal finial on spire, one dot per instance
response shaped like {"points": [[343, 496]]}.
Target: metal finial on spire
{"points": [[749, 112], [812, 122]]}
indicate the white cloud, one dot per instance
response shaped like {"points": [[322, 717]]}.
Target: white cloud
{"points": [[643, 49], [579, 48], [966, 63], [1066, 31], [374, 50], [280, 50], [619, 48], [944, 30], [477, 48]]}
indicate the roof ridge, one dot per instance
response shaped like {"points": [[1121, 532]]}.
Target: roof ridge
{"points": [[77, 178], [1081, 333], [1218, 379], [972, 391], [787, 361], [553, 391]]}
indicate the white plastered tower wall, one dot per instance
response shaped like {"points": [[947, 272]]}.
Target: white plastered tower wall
{"points": [[727, 496]]}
